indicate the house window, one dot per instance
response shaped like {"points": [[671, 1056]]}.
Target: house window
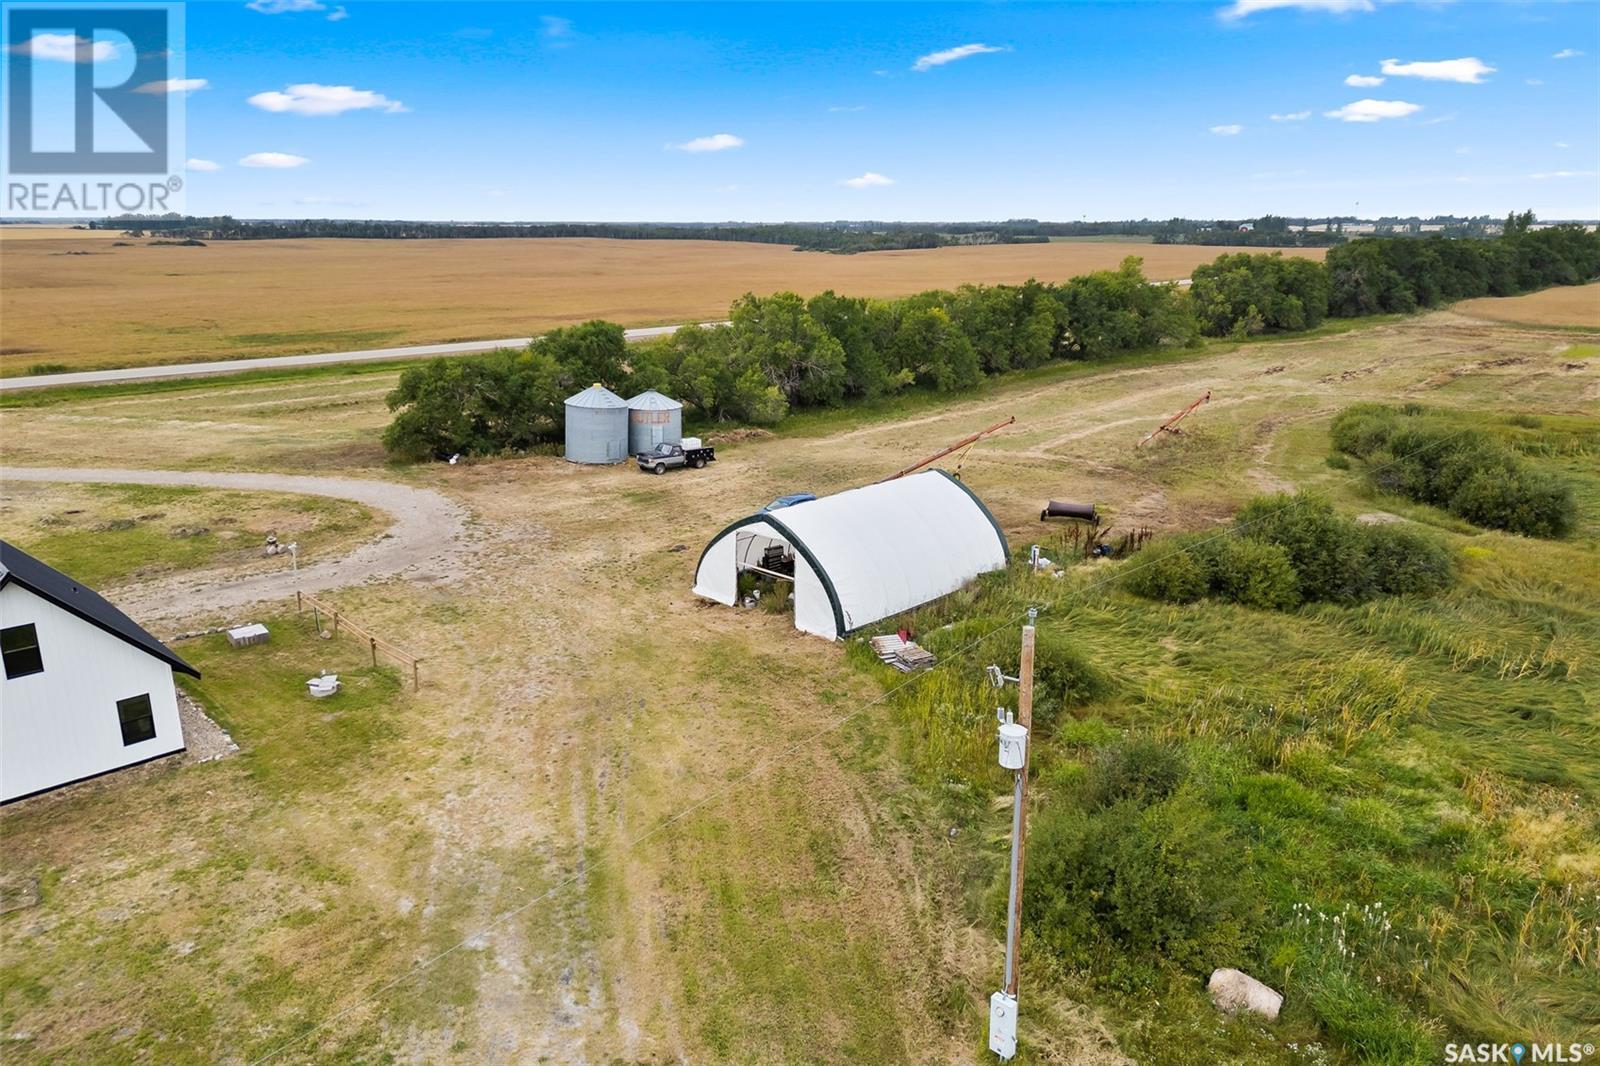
{"points": [[19, 646], [138, 721]]}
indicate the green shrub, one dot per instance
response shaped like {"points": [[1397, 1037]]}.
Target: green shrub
{"points": [[1408, 561], [1250, 572], [1167, 571], [1139, 769], [1164, 881], [1461, 470], [1324, 547]]}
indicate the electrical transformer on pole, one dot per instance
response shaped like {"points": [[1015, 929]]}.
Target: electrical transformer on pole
{"points": [[1013, 736]]}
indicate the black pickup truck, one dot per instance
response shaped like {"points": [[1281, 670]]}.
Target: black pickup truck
{"points": [[664, 456]]}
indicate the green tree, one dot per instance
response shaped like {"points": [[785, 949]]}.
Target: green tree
{"points": [[801, 358]]}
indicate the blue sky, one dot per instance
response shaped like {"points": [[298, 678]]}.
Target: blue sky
{"points": [[1058, 111]]}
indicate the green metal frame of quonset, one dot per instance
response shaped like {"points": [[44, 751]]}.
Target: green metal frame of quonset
{"points": [[816, 566]]}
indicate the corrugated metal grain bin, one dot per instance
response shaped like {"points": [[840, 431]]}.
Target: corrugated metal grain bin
{"points": [[653, 419], [597, 426]]}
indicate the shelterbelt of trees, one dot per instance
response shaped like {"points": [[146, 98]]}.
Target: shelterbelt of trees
{"points": [[783, 352]]}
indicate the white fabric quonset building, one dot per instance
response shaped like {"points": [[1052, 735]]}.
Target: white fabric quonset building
{"points": [[864, 554], [86, 689]]}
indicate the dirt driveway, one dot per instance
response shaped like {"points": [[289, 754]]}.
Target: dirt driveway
{"points": [[425, 541]]}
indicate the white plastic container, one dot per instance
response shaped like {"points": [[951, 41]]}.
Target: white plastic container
{"points": [[690, 442]]}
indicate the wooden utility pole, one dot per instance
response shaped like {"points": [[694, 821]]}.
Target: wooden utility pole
{"points": [[1016, 743], [1019, 817]]}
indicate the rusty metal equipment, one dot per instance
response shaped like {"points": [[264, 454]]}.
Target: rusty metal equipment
{"points": [[1171, 424], [964, 442], [1082, 512]]}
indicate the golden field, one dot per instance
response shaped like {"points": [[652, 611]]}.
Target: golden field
{"points": [[78, 307], [1564, 305]]}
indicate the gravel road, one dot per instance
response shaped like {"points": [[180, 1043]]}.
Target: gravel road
{"points": [[426, 540]]}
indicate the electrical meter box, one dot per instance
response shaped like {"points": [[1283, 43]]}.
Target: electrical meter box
{"points": [[1003, 1025]]}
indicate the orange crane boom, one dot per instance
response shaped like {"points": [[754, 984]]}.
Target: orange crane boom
{"points": [[957, 446], [1171, 424]]}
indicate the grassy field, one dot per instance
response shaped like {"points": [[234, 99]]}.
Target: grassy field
{"points": [[1564, 305], [555, 814], [105, 535], [78, 305]]}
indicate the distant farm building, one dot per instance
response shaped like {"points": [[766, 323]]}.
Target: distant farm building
{"points": [[86, 689], [597, 426], [862, 555]]}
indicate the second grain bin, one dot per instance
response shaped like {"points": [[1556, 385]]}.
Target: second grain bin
{"points": [[597, 426], [653, 419]]}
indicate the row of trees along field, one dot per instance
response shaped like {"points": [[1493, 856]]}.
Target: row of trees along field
{"points": [[783, 352]]}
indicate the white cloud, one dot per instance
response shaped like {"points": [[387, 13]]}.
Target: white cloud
{"points": [[1373, 110], [1463, 150], [950, 55], [285, 7], [1232, 129], [338, 14], [65, 48], [273, 160], [858, 107], [204, 166], [869, 180], [717, 142], [1364, 81], [1468, 71], [1557, 174], [310, 98], [1562, 144], [1567, 53], [1291, 116], [556, 27], [1245, 8], [1533, 81], [173, 85]]}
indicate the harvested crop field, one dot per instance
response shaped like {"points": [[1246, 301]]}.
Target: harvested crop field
{"points": [[75, 304], [1564, 305]]}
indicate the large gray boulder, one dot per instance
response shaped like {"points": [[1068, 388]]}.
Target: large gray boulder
{"points": [[1233, 991]]}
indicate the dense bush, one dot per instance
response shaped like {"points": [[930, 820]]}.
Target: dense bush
{"points": [[1240, 295], [1400, 274], [1140, 864], [1462, 470], [1283, 550], [1063, 677]]}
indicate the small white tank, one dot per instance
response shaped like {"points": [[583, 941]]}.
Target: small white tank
{"points": [[1013, 745]]}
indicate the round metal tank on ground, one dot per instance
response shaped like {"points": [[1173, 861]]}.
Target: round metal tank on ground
{"points": [[653, 419], [597, 426]]}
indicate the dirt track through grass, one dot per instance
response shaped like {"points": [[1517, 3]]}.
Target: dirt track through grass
{"points": [[576, 695]]}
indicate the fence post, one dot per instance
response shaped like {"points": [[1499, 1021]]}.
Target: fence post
{"points": [[299, 608], [416, 680], [336, 622], [316, 617], [374, 642]]}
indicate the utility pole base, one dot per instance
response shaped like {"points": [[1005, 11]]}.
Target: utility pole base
{"points": [[1003, 1025]]}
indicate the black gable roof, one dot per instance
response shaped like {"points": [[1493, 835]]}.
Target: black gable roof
{"points": [[51, 584]]}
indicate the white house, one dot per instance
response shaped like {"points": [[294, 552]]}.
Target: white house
{"points": [[86, 689]]}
